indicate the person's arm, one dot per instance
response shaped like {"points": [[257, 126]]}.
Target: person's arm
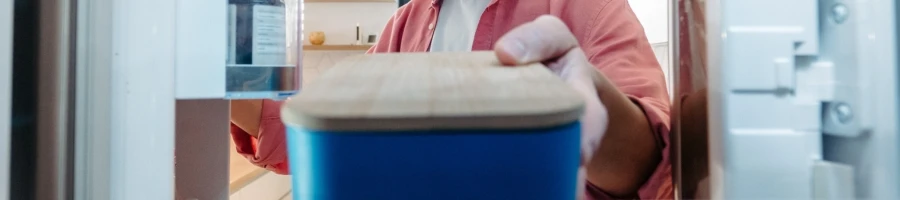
{"points": [[609, 61], [258, 133], [629, 153], [245, 114], [634, 93]]}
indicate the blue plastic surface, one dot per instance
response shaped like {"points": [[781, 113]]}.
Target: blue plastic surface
{"points": [[539, 164]]}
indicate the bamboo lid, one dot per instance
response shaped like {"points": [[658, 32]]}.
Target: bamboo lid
{"points": [[432, 91]]}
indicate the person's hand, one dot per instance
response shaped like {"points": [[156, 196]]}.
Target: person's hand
{"points": [[548, 40]]}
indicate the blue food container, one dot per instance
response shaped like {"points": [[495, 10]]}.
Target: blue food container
{"points": [[434, 126]]}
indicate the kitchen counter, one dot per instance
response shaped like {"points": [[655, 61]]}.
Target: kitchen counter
{"points": [[249, 182]]}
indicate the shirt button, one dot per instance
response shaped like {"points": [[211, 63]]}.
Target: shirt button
{"points": [[430, 26]]}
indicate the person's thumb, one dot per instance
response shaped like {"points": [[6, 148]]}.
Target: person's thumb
{"points": [[580, 183], [543, 39]]}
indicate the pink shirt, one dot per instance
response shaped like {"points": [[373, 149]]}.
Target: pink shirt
{"points": [[609, 33]]}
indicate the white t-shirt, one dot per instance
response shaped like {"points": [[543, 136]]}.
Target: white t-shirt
{"points": [[456, 25]]}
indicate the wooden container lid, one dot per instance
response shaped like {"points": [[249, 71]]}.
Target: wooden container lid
{"points": [[432, 91]]}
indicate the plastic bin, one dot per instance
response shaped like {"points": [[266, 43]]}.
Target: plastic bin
{"points": [[434, 126]]}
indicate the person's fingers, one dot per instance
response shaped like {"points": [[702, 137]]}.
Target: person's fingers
{"points": [[580, 184], [593, 124], [543, 39], [579, 73]]}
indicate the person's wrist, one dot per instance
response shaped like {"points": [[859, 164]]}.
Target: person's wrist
{"points": [[601, 84]]}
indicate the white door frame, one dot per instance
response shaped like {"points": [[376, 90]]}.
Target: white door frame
{"points": [[6, 25], [125, 123]]}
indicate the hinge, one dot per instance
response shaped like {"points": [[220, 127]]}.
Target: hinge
{"points": [[840, 39]]}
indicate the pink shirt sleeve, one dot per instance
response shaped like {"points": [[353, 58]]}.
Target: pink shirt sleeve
{"points": [[269, 150], [391, 35], [386, 42], [617, 46]]}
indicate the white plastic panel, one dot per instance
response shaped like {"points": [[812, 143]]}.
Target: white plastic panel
{"points": [[200, 49], [779, 112], [757, 55], [880, 55], [773, 164], [875, 155], [831, 179], [768, 136], [841, 40], [6, 18], [774, 16], [785, 144], [93, 110], [143, 100]]}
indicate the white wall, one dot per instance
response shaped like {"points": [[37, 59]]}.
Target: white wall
{"points": [[338, 20], [654, 16]]}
